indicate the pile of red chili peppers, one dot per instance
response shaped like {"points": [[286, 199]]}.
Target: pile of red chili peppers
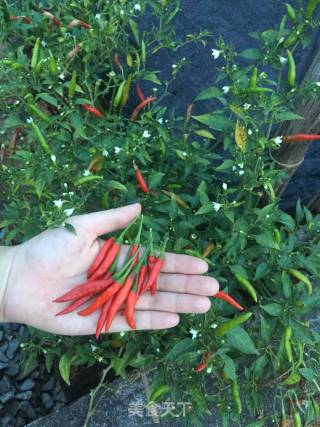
{"points": [[107, 289]]}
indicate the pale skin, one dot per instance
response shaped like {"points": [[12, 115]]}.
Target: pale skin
{"points": [[38, 271]]}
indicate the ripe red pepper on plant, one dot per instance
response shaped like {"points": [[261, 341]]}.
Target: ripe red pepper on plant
{"points": [[204, 362], [300, 137], [227, 298], [25, 19], [140, 94], [141, 106], [53, 19], [141, 181], [93, 110], [117, 61], [76, 22], [14, 139]]}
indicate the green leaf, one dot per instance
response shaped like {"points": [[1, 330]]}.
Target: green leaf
{"points": [[307, 373], [155, 179], [49, 358], [262, 270], [158, 392], [266, 330], [205, 209], [215, 121], [286, 220], [48, 99], [181, 347], [116, 185], [273, 309], [204, 133], [209, 93], [240, 339], [285, 116], [251, 54], [64, 367], [135, 30], [152, 77], [225, 165], [266, 239], [77, 124], [229, 367]]}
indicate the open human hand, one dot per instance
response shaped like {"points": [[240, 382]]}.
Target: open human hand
{"points": [[56, 260]]}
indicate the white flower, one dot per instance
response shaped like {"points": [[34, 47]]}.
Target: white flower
{"points": [[282, 39], [226, 89], [194, 333], [86, 172], [98, 16], [240, 165], [69, 212], [112, 74], [214, 326], [30, 120], [71, 193], [241, 172], [155, 89], [65, 185], [61, 76], [215, 53], [117, 150], [216, 206], [160, 120], [318, 83], [93, 347], [53, 158], [246, 106], [283, 60], [17, 102], [122, 334], [58, 203], [174, 66], [146, 134], [278, 140], [105, 153], [234, 168], [225, 186], [121, 12], [250, 132], [43, 43], [137, 7]]}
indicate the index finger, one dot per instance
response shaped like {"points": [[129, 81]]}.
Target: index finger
{"points": [[184, 264]]}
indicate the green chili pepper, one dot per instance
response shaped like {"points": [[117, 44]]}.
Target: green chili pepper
{"points": [[118, 97], [35, 54], [38, 113], [297, 419], [283, 22], [235, 391], [258, 90], [38, 68], [226, 327], [293, 36], [143, 52], [292, 379], [73, 84], [291, 69], [53, 65], [105, 200], [43, 142], [311, 8], [291, 12], [277, 236], [287, 343], [29, 98], [300, 357], [126, 90], [316, 408], [247, 286], [87, 179], [129, 60], [303, 278], [137, 59], [253, 79]]}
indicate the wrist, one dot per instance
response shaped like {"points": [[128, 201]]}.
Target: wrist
{"points": [[6, 265]]}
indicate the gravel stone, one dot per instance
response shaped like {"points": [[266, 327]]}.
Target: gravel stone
{"points": [[3, 357], [12, 348], [12, 370], [27, 410], [1, 335], [28, 384], [25, 395], [3, 365], [49, 385], [7, 421], [12, 408], [20, 422], [4, 398], [47, 400], [5, 385], [60, 396]]}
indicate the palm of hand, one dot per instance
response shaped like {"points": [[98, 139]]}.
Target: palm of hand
{"points": [[56, 260]]}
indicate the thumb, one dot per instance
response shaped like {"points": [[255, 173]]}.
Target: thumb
{"points": [[98, 223]]}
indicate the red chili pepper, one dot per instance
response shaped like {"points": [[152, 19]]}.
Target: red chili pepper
{"points": [[204, 362], [141, 181], [106, 263], [24, 19], [142, 277], [131, 303], [118, 300], [300, 137], [141, 106], [89, 288], [14, 139], [101, 256], [140, 94], [101, 299], [74, 305], [189, 112], [227, 298], [117, 61], [76, 22], [154, 273], [152, 259], [74, 52], [102, 317], [53, 19], [93, 110]]}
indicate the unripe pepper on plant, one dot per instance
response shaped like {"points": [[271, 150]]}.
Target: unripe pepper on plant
{"points": [[311, 7], [291, 12], [303, 278], [87, 179], [297, 419], [287, 343], [35, 53], [227, 326], [291, 69], [72, 85], [208, 250], [247, 286], [126, 90], [119, 94], [235, 391], [43, 142], [33, 109], [53, 65], [293, 36], [254, 78]]}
